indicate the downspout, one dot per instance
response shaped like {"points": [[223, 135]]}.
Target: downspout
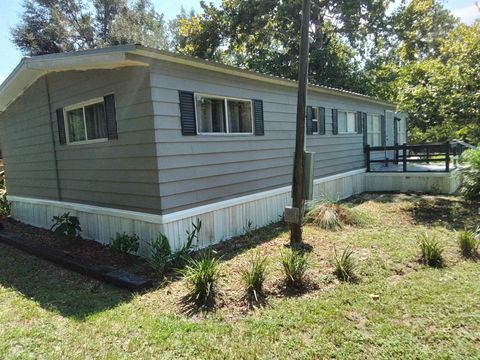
{"points": [[55, 161]]}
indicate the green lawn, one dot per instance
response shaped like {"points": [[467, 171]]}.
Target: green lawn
{"points": [[422, 313]]}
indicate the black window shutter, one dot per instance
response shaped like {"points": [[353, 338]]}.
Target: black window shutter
{"points": [[359, 123], [111, 115], [309, 120], [334, 121], [365, 130], [321, 121], [187, 113], [258, 117], [61, 127], [384, 130]]}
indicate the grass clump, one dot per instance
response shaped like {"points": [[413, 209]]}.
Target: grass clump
{"points": [[431, 249], [468, 242], [332, 216], [125, 243], [253, 277], [344, 265], [202, 275], [295, 264]]}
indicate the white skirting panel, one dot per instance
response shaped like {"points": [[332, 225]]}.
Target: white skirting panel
{"points": [[433, 182], [220, 221]]}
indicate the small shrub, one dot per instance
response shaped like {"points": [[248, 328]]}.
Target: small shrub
{"points": [[66, 225], [331, 216], [468, 243], [432, 250], [344, 265], [470, 174], [295, 265], [5, 205], [161, 255], [203, 275], [253, 276], [125, 243]]}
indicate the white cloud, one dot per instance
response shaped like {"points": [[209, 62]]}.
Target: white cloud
{"points": [[467, 14]]}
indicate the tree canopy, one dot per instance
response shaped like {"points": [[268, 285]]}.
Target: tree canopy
{"points": [[52, 26]]}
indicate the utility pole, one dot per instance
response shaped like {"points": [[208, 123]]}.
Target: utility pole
{"points": [[298, 190]]}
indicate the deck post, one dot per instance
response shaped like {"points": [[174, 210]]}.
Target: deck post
{"points": [[367, 156], [404, 155], [447, 157]]}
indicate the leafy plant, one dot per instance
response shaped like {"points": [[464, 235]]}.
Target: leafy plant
{"points": [[253, 276], [161, 255], [468, 242], [332, 216], [295, 264], [202, 275], [66, 225], [344, 265], [432, 250], [470, 174], [125, 243], [5, 205]]}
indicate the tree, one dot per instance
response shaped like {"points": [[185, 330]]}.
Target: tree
{"points": [[52, 26], [263, 35]]}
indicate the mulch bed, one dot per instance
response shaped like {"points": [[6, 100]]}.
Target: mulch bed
{"points": [[90, 253]]}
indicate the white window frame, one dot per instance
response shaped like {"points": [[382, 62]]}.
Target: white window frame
{"points": [[225, 99], [81, 105], [315, 118], [379, 116], [354, 131]]}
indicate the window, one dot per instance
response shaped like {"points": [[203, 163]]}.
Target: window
{"points": [[346, 122], [315, 118], [86, 122], [374, 130], [219, 115]]}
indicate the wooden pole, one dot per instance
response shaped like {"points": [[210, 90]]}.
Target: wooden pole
{"points": [[298, 163]]}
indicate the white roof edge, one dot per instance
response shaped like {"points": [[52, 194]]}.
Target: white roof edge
{"points": [[30, 69]]}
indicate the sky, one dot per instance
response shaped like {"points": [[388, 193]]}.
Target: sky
{"points": [[11, 11]]}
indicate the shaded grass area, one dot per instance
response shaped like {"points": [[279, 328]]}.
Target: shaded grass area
{"points": [[417, 312]]}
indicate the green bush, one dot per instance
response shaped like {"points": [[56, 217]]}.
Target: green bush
{"points": [[344, 265], [431, 249], [332, 216], [295, 264], [254, 275], [470, 174], [125, 243], [468, 242], [202, 275], [66, 225], [161, 255], [5, 205]]}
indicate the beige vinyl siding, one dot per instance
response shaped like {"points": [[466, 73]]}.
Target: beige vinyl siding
{"points": [[197, 170]]}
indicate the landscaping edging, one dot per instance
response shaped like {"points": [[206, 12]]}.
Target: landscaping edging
{"points": [[108, 274]]}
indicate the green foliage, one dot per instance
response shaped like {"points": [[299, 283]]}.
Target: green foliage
{"points": [[161, 255], [295, 265], [66, 225], [5, 205], [203, 275], [431, 250], [125, 243], [332, 216], [344, 265], [67, 25], [470, 174], [254, 275], [468, 242]]}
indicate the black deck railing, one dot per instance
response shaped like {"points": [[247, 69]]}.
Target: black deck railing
{"points": [[445, 153]]}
